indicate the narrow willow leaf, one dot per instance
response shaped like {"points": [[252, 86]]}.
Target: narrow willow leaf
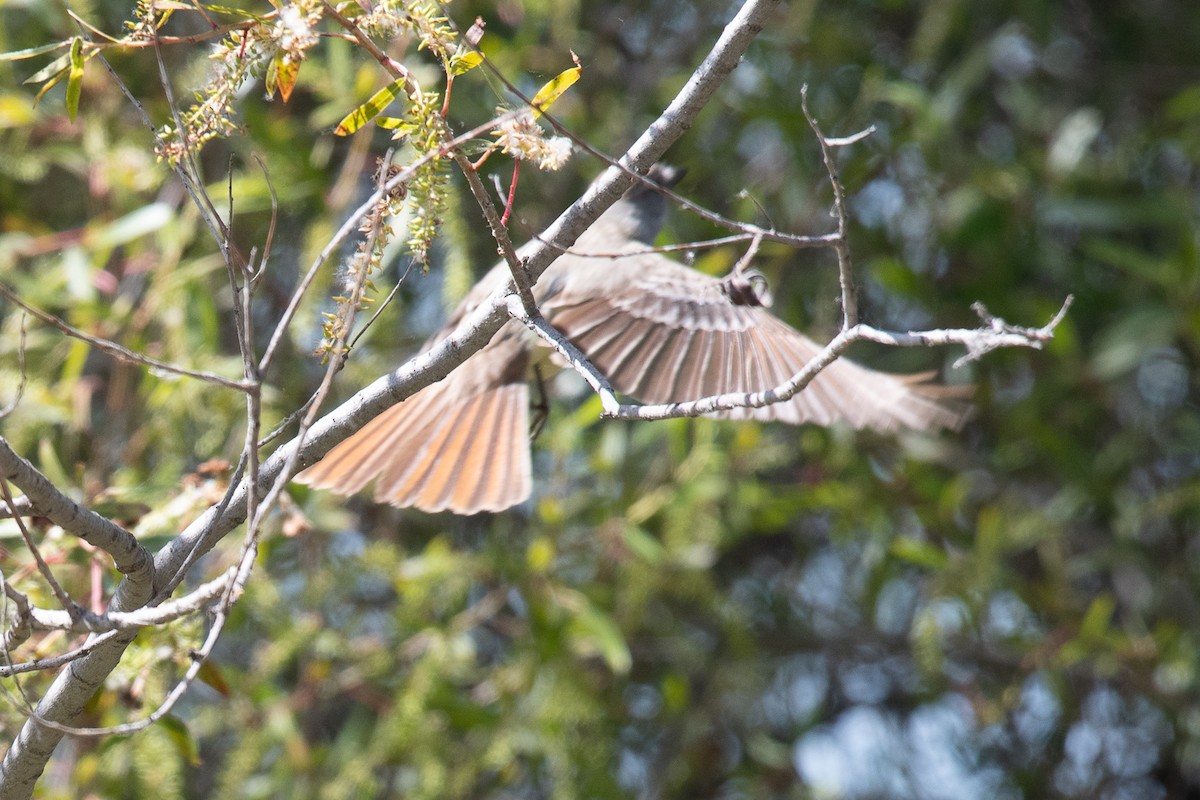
{"points": [[48, 86], [233, 11], [370, 109], [75, 81], [552, 90], [395, 123], [30, 52], [179, 735], [596, 632], [210, 673], [920, 553], [272, 76], [58, 65]]}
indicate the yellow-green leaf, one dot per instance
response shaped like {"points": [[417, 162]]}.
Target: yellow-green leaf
{"points": [[14, 110], [676, 692], [370, 109], [552, 90], [75, 81], [918, 552], [1097, 618], [395, 124], [540, 554], [465, 61], [233, 11], [596, 633]]}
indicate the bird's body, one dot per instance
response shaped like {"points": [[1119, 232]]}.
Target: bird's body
{"points": [[658, 330]]}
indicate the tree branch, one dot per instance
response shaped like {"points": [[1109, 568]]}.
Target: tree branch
{"points": [[71, 690], [977, 341], [128, 555], [87, 622]]}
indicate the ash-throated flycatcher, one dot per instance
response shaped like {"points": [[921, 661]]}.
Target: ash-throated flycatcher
{"points": [[660, 331]]}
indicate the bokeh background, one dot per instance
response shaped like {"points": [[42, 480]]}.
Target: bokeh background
{"points": [[687, 609]]}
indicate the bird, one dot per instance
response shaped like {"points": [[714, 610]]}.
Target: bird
{"points": [[659, 330]]}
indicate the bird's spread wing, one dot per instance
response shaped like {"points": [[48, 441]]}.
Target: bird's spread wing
{"points": [[664, 333], [460, 445]]}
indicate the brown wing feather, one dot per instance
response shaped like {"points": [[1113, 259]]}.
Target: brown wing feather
{"points": [[664, 333], [460, 445]]}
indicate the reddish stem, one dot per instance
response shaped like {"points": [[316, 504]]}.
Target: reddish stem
{"points": [[512, 193]]}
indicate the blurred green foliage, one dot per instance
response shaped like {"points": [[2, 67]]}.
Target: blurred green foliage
{"points": [[686, 609]]}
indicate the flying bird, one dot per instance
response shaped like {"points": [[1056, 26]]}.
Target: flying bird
{"points": [[660, 331]]}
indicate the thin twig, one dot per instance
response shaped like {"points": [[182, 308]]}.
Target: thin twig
{"points": [[118, 351], [842, 244], [271, 227], [64, 599], [504, 245], [16, 399], [185, 167], [19, 629], [54, 662], [89, 622], [20, 506]]}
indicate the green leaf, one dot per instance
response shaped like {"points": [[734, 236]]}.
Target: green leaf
{"points": [[926, 640], [552, 90], [181, 737], [49, 85], [540, 554], [595, 631], [75, 81], [370, 109], [52, 466], [31, 52], [645, 546], [211, 675], [676, 692], [134, 225], [271, 77], [55, 68], [467, 57], [920, 553], [1095, 621]]}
